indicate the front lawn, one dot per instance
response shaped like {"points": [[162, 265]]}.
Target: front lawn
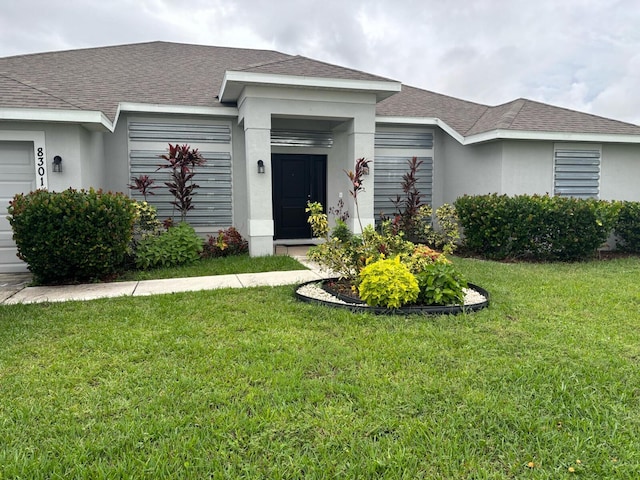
{"points": [[250, 383]]}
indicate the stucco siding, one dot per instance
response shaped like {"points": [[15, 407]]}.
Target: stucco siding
{"points": [[527, 168], [74, 144], [116, 158], [469, 170], [620, 172]]}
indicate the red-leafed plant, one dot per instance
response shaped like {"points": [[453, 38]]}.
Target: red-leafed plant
{"points": [[225, 243], [182, 160], [408, 208], [144, 184], [355, 176]]}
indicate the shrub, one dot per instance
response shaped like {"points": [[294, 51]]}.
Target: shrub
{"points": [[537, 227], [146, 221], [228, 242], [421, 257], [318, 220], [181, 161], [388, 283], [347, 254], [72, 235], [177, 246], [627, 227], [441, 284], [409, 219]]}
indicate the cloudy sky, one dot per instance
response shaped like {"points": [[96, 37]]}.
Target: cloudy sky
{"points": [[580, 54]]}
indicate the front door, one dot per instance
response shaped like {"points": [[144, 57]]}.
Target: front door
{"points": [[297, 179]]}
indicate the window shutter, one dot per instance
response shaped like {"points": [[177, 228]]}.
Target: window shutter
{"points": [[212, 200], [577, 173]]}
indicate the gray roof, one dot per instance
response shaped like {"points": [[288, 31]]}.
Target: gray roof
{"points": [[307, 67], [98, 79]]}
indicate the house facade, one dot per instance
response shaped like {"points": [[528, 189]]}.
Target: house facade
{"points": [[279, 130]]}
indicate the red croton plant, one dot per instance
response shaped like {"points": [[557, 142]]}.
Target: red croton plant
{"points": [[182, 160]]}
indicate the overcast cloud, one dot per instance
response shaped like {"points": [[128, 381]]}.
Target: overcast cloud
{"points": [[580, 54]]}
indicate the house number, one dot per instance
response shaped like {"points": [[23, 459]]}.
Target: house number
{"points": [[41, 168]]}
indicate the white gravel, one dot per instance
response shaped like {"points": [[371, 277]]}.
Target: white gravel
{"points": [[313, 290]]}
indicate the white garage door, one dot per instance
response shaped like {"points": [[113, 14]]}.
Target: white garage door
{"points": [[17, 175]]}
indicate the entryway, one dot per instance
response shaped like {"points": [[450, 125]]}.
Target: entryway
{"points": [[297, 179]]}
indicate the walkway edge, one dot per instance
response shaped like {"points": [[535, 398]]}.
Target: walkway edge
{"points": [[63, 293]]}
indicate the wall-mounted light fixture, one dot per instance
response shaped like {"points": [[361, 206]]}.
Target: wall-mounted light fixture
{"points": [[57, 164], [260, 166], [365, 170]]}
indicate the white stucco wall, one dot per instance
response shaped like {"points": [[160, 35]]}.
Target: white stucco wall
{"points": [[239, 179], [116, 158], [527, 168], [620, 172], [80, 149], [471, 169]]}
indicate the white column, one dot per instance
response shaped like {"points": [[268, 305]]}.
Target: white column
{"points": [[257, 136], [361, 144]]}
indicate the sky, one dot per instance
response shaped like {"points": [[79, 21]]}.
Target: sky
{"points": [[578, 54]]}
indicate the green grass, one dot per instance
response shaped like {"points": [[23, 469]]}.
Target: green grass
{"points": [[218, 266], [250, 383]]}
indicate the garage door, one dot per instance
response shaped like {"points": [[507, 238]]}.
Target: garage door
{"points": [[17, 175]]}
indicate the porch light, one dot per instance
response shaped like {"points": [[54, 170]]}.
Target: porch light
{"points": [[57, 164], [260, 166]]}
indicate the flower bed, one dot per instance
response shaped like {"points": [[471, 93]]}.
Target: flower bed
{"points": [[476, 298]]}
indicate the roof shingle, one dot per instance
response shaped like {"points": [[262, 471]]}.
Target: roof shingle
{"points": [[98, 79]]}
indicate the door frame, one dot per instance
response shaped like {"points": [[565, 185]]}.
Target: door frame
{"points": [[314, 189]]}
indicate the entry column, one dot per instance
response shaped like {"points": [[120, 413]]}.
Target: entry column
{"points": [[257, 138]]}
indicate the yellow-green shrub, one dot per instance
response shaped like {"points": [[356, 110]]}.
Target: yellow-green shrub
{"points": [[388, 283]]}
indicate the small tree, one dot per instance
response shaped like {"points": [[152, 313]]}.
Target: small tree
{"points": [[182, 160], [355, 176]]}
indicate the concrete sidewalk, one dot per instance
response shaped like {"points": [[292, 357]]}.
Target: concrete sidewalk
{"points": [[20, 293]]}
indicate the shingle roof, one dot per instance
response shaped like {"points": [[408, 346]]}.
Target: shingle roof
{"points": [[414, 102], [98, 79], [528, 115], [14, 93], [469, 118], [308, 67], [156, 73]]}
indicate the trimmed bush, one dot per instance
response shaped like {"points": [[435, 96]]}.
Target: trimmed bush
{"points": [[72, 235], [628, 227], [227, 242], [177, 246], [388, 283], [535, 227]]}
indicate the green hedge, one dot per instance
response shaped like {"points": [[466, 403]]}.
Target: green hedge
{"points": [[537, 227], [177, 246], [628, 227], [72, 235]]}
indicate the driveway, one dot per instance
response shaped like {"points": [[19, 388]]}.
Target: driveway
{"points": [[10, 283]]}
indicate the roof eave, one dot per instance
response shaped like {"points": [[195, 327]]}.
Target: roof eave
{"points": [[90, 119], [434, 121], [234, 82], [501, 134]]}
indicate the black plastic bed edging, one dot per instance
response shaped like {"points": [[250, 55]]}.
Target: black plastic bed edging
{"points": [[422, 310]]}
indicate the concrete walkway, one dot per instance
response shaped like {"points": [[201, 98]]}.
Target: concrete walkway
{"points": [[14, 292]]}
